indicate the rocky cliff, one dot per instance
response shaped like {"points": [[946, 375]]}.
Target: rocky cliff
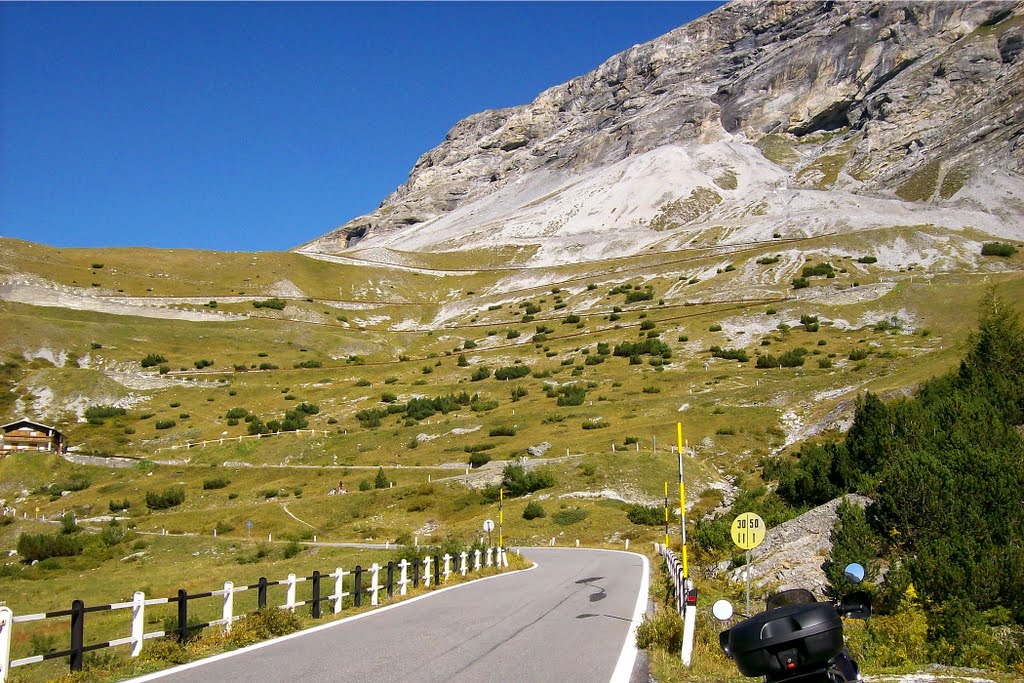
{"points": [[739, 113]]}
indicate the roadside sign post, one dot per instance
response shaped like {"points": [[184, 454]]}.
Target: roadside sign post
{"points": [[689, 591], [747, 533], [488, 527]]}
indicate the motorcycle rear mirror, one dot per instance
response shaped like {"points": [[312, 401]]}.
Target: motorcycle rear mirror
{"points": [[856, 605], [722, 609], [854, 573]]}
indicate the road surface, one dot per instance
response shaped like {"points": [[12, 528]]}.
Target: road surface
{"points": [[566, 620]]}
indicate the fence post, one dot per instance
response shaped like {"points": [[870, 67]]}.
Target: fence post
{"points": [[462, 563], [447, 565], [138, 622], [289, 602], [316, 594], [476, 560], [77, 634], [403, 581], [391, 579], [374, 583], [339, 588], [437, 570], [6, 623], [228, 613], [261, 593], [415, 572], [490, 551], [426, 570], [182, 615], [357, 591]]}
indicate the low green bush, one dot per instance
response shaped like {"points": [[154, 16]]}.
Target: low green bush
{"points": [[168, 498], [38, 547], [215, 483], [534, 510], [569, 516]]}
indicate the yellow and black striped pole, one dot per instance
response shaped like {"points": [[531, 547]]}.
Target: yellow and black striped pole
{"points": [[682, 497], [666, 515]]}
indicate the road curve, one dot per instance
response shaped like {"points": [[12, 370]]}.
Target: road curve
{"points": [[569, 619]]}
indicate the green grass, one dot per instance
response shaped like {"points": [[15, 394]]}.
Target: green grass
{"points": [[732, 416]]}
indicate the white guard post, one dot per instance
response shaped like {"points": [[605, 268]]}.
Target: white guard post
{"points": [[426, 570], [229, 605], [339, 594], [689, 620], [291, 593], [6, 622], [490, 551], [374, 583], [138, 621], [476, 560], [404, 580], [462, 563], [447, 566]]}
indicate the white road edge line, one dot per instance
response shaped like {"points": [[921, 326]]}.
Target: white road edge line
{"points": [[298, 634], [627, 658]]}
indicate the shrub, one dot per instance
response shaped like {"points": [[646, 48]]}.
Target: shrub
{"points": [[793, 358], [215, 483], [998, 249], [801, 282], [858, 354], [645, 515], [822, 269], [730, 354], [96, 414], [512, 372], [292, 549], [663, 631], [534, 510], [202, 363], [518, 482], [571, 319], [236, 413], [308, 364], [867, 259], [637, 295], [652, 390], [380, 481], [726, 431], [469, 344], [824, 363], [476, 448], [512, 334], [153, 359], [480, 374], [170, 497], [388, 397], [479, 459], [503, 430], [118, 505], [571, 395], [715, 328], [365, 485], [569, 516], [164, 424], [518, 392], [595, 424], [768, 260], [275, 303], [38, 547]]}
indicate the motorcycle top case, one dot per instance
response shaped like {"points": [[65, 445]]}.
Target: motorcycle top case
{"points": [[787, 639]]}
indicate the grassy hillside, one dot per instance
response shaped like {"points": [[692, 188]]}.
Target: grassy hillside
{"points": [[398, 368]]}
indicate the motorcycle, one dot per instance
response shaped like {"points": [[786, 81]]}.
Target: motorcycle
{"points": [[796, 639]]}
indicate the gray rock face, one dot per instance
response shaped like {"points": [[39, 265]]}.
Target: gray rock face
{"points": [[898, 90]]}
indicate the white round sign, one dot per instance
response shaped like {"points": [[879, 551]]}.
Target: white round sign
{"points": [[488, 525]]}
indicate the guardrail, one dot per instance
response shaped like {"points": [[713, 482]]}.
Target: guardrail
{"points": [[430, 571], [237, 439], [682, 587]]}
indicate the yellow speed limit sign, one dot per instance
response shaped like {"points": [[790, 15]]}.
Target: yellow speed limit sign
{"points": [[748, 531]]}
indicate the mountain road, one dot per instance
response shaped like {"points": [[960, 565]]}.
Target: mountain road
{"points": [[570, 618]]}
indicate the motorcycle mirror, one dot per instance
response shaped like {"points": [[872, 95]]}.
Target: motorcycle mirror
{"points": [[854, 573], [722, 609], [856, 605], [723, 641]]}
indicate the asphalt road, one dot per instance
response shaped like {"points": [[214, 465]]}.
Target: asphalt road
{"points": [[566, 620]]}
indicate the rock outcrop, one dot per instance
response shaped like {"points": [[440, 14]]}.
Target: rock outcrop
{"points": [[918, 102]]}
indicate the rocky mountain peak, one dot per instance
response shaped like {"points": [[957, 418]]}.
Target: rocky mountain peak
{"points": [[904, 101]]}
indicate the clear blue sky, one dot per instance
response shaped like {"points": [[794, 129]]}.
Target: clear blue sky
{"points": [[259, 126]]}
